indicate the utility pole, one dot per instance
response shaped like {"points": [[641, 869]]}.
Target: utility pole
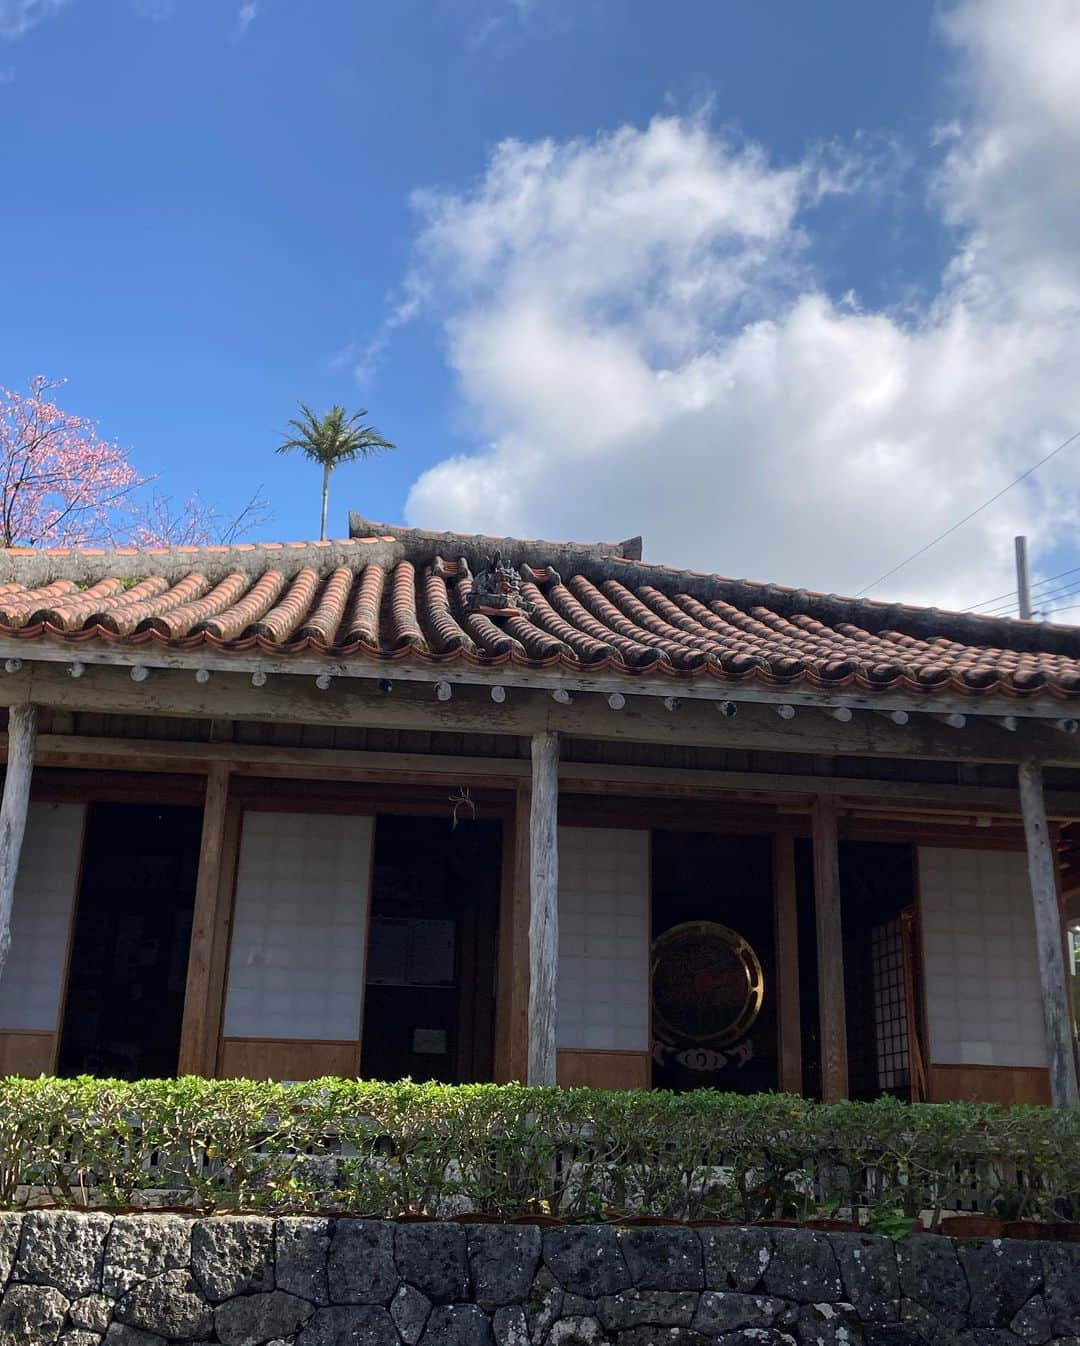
{"points": [[1023, 584]]}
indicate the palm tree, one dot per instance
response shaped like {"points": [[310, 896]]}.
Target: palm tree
{"points": [[331, 440]]}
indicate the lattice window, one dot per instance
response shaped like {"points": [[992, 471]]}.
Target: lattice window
{"points": [[890, 1007]]}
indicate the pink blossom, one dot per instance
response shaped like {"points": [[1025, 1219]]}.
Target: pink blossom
{"points": [[61, 485]]}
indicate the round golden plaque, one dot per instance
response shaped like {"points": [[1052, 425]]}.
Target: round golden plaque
{"points": [[707, 984]]}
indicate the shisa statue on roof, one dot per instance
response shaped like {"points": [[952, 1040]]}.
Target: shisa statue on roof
{"points": [[496, 590]]}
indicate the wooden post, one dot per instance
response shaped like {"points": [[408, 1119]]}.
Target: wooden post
{"points": [[785, 918], [1057, 1011], [830, 952], [22, 733], [512, 1034], [543, 908], [199, 1032]]}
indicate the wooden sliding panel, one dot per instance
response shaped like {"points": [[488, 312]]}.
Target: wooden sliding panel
{"points": [[1006, 1085], [512, 1003], [202, 999], [830, 952], [604, 1070], [984, 1017], [294, 993], [32, 984], [266, 1059], [603, 1013], [785, 915], [27, 1054]]}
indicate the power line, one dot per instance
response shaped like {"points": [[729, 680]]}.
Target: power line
{"points": [[968, 517], [1041, 600], [988, 602], [1039, 584], [1056, 595], [1060, 575], [1071, 608]]}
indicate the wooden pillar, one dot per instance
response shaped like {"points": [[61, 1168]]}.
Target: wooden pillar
{"points": [[202, 998], [830, 952], [22, 733], [1057, 1011], [785, 918], [543, 908], [512, 1026]]}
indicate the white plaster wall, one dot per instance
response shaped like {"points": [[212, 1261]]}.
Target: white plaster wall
{"points": [[41, 916], [983, 993], [603, 938], [296, 963]]}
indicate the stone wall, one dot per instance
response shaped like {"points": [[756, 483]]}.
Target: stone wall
{"points": [[142, 1280]]}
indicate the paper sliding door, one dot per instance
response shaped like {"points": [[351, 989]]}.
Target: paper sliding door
{"points": [[983, 992], [31, 989], [294, 993], [603, 1025]]}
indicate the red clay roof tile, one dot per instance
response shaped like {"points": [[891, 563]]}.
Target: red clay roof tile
{"points": [[413, 594]]}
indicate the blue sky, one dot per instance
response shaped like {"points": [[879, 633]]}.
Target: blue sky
{"points": [[749, 279]]}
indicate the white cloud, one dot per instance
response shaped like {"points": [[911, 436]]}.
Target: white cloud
{"points": [[642, 344], [19, 16], [157, 11], [502, 25]]}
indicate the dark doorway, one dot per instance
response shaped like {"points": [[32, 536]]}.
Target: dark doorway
{"points": [[713, 965], [129, 955], [429, 1006], [877, 888]]}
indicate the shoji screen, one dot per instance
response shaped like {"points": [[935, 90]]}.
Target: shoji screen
{"points": [[603, 939], [31, 987], [296, 964], [983, 994]]}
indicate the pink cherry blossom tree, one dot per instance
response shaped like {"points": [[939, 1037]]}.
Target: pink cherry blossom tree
{"points": [[62, 485]]}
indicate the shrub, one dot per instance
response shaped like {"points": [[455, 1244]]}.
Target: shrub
{"points": [[505, 1150]]}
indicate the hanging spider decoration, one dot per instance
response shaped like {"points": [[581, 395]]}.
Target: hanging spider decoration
{"points": [[461, 800]]}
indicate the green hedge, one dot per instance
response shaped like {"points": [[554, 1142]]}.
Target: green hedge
{"points": [[389, 1149]]}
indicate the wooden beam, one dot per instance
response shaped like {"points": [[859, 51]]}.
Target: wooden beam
{"points": [[344, 764], [185, 756], [1057, 1009], [544, 909], [22, 731], [357, 702], [830, 952], [199, 1030], [199, 662], [789, 1021]]}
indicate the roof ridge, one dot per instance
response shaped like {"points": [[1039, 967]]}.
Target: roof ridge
{"points": [[479, 545], [35, 567]]}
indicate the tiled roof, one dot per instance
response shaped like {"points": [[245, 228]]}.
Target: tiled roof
{"points": [[389, 594]]}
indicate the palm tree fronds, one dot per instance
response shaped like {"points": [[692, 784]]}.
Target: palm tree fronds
{"points": [[332, 439]]}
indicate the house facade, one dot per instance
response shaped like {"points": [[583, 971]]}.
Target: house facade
{"points": [[463, 808]]}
